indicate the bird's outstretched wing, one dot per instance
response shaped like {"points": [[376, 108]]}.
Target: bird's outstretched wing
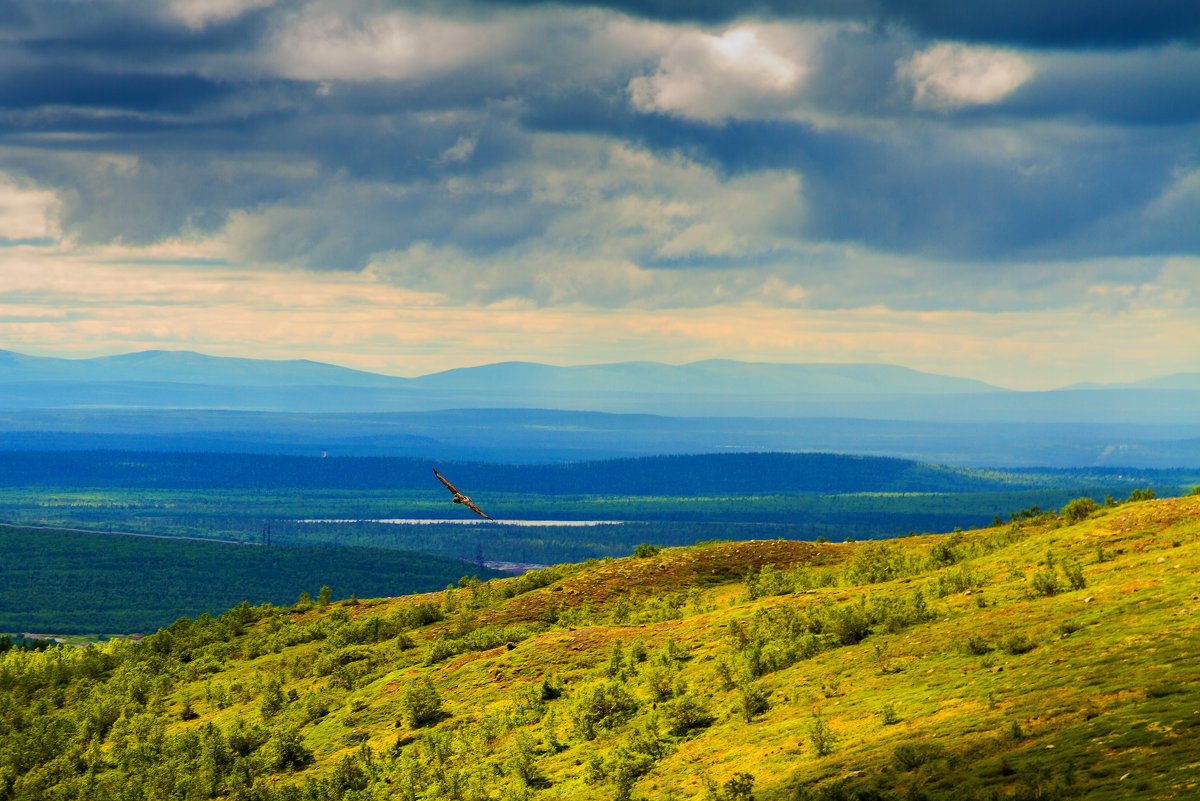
{"points": [[449, 486], [474, 509]]}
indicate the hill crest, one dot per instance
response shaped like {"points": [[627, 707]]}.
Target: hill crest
{"points": [[1043, 659]]}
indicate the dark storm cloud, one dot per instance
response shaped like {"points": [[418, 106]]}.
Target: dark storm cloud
{"points": [[61, 85], [306, 136], [929, 195], [133, 32], [1034, 23]]}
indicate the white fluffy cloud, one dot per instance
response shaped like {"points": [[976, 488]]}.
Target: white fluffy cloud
{"points": [[198, 13], [950, 75], [322, 42], [744, 72]]}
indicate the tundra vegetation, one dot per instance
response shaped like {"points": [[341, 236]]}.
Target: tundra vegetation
{"points": [[1006, 662]]}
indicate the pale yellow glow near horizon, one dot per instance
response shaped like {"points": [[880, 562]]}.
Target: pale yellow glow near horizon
{"points": [[91, 302]]}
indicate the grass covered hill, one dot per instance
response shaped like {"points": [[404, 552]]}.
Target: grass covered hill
{"points": [[64, 582], [1050, 658]]}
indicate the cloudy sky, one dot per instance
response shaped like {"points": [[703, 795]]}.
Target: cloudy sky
{"points": [[1005, 191]]}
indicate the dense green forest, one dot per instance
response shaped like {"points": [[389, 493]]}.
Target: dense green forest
{"points": [[65, 582], [698, 475], [246, 515], [674, 500], [1046, 659]]}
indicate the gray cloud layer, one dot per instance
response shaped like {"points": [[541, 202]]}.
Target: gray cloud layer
{"points": [[599, 152]]}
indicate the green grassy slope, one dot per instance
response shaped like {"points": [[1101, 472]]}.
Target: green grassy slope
{"points": [[1042, 660]]}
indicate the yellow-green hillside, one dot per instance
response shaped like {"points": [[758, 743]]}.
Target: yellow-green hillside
{"points": [[1045, 659]]}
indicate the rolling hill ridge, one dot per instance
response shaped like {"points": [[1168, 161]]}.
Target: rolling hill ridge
{"points": [[1045, 659]]}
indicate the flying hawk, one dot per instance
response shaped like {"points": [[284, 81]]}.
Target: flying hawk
{"points": [[458, 496]]}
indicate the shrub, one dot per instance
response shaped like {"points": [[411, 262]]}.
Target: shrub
{"points": [[740, 787], [875, 563], [888, 715], [602, 706], [645, 551], [550, 688], [1162, 688], [752, 700], [724, 671], [659, 680], [976, 645], [420, 702], [439, 649], [943, 554], [616, 660], [1017, 643], [1067, 627], [1074, 574], [272, 700], [687, 712], [1044, 583], [1146, 494], [286, 750], [849, 623], [909, 756], [522, 760], [1078, 509]]}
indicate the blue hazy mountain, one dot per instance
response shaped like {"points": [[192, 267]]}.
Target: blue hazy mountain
{"points": [[710, 377], [1183, 381], [182, 380], [183, 367], [715, 376]]}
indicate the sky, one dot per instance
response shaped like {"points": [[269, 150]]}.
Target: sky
{"points": [[1005, 191]]}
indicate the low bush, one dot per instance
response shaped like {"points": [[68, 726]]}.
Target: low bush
{"points": [[1017, 643], [752, 700], [1044, 583], [602, 706], [976, 645], [1162, 688], [1078, 509], [686, 712], [1074, 574], [910, 756]]}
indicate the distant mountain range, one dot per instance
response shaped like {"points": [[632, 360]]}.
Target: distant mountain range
{"points": [[711, 377], [183, 367], [186, 381]]}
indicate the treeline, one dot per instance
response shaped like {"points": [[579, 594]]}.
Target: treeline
{"points": [[735, 473], [66, 582]]}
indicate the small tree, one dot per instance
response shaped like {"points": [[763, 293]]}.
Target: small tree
{"points": [[645, 550], [820, 737], [752, 700], [1074, 574], [323, 597], [287, 750], [272, 700], [421, 703], [740, 787]]}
